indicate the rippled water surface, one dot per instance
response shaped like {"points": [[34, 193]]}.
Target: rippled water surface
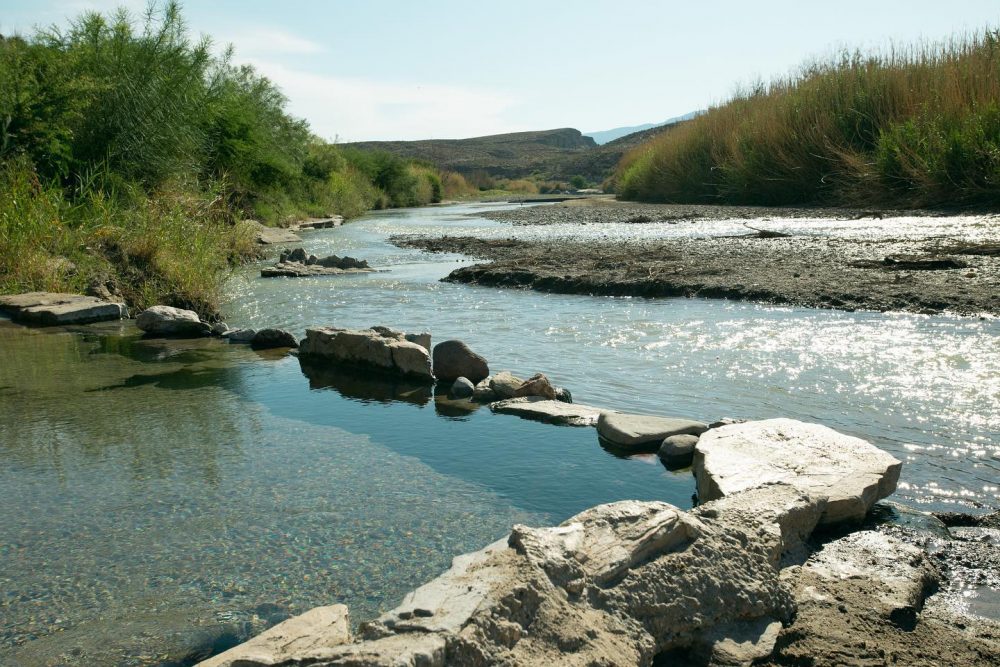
{"points": [[164, 496]]}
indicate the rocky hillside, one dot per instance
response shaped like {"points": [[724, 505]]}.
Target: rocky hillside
{"points": [[552, 154]]}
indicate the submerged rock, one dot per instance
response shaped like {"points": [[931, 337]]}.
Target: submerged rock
{"points": [[453, 359], [378, 348], [54, 308], [169, 321], [266, 339], [239, 335], [547, 410], [850, 472], [633, 431]]}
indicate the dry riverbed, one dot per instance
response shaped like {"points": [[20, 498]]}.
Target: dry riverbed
{"points": [[845, 259]]}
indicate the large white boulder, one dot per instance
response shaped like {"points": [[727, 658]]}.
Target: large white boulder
{"points": [[849, 472], [169, 321]]}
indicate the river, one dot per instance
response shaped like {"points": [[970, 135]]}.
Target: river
{"points": [[162, 496]]}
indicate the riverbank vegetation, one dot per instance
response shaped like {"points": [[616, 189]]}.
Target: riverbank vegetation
{"points": [[910, 127], [129, 154]]}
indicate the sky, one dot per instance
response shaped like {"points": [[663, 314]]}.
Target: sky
{"points": [[362, 70]]}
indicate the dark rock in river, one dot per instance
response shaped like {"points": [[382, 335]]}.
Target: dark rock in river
{"points": [[453, 359], [266, 339], [462, 388], [677, 451]]}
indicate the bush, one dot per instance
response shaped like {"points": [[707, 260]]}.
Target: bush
{"points": [[908, 128]]}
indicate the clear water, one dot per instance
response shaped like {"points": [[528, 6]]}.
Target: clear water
{"points": [[155, 491]]}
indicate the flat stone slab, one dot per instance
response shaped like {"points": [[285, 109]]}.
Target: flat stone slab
{"points": [[849, 472], [319, 628], [378, 347], [55, 308], [299, 270], [626, 430], [271, 235], [552, 412]]}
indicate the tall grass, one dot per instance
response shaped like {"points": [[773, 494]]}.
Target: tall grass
{"points": [[908, 127]]}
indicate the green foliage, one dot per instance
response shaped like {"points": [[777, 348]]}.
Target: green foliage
{"points": [[578, 182], [128, 152], [909, 128]]}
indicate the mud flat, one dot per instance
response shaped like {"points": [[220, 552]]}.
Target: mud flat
{"points": [[844, 259]]}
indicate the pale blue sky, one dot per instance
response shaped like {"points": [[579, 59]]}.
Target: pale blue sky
{"points": [[370, 69]]}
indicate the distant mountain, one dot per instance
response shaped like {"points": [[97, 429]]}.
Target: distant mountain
{"points": [[604, 136], [551, 154]]}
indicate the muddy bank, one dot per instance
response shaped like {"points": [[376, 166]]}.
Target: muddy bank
{"points": [[915, 272]]}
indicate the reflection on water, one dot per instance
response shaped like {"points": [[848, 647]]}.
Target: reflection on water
{"points": [[162, 497], [364, 385]]}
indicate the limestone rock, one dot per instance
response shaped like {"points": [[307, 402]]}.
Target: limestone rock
{"points": [[453, 359], [423, 339], [505, 385], [270, 235], [378, 347], [536, 385], [627, 430], [168, 321], [317, 629], [462, 388], [850, 472], [267, 339], [484, 393], [546, 410], [54, 308], [678, 450]]}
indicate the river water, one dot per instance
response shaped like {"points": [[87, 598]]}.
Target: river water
{"points": [[162, 496]]}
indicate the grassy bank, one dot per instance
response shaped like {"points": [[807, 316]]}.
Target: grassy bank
{"points": [[912, 127], [129, 153]]}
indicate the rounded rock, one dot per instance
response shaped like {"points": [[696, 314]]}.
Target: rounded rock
{"points": [[267, 339], [462, 388], [453, 359]]}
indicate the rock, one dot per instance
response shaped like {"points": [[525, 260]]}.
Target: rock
{"points": [[739, 644], [302, 270], [726, 421], [311, 259], [317, 629], [853, 598], [616, 584], [239, 335], [462, 388], [266, 339], [344, 263], [168, 321], [678, 450], [297, 255], [422, 339], [219, 328], [483, 393], [270, 235], [54, 308], [563, 394], [536, 385], [547, 410], [788, 513], [453, 359], [505, 385], [378, 348], [851, 473], [634, 431]]}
